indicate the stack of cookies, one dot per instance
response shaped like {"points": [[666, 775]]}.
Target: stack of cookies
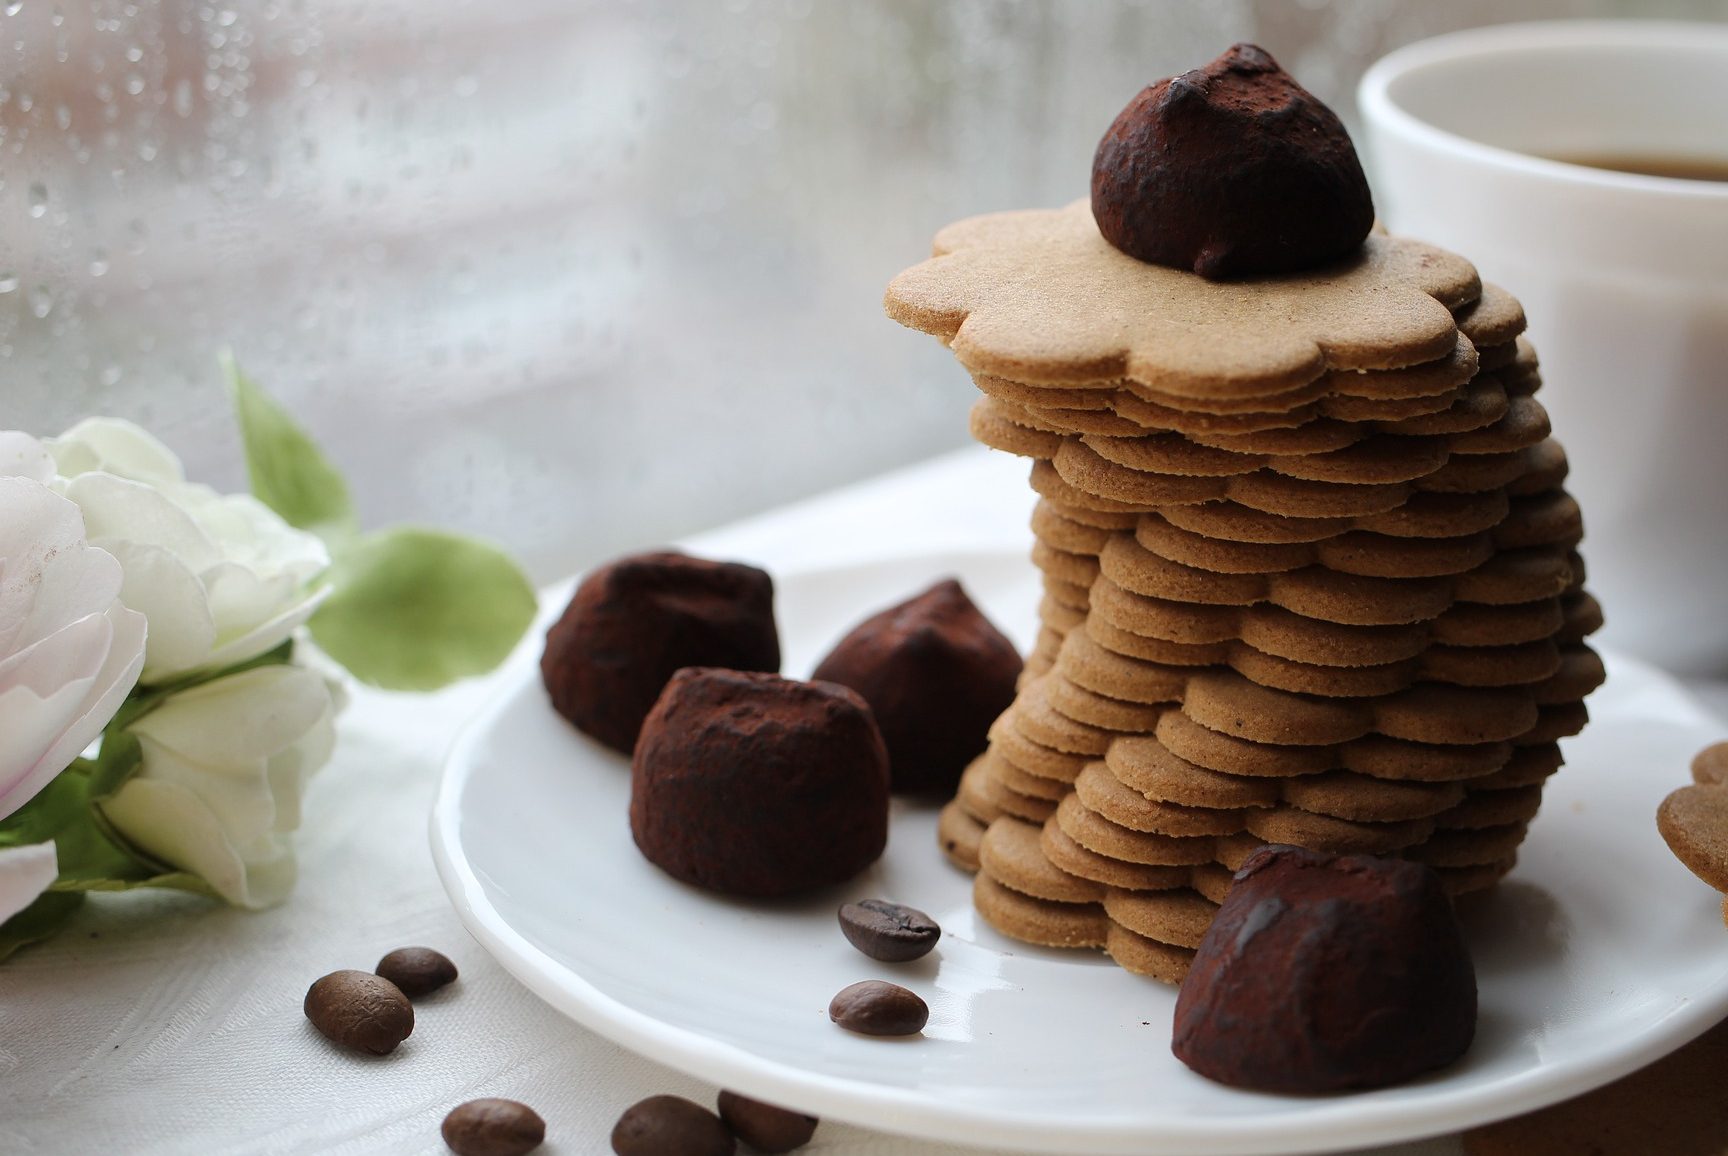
{"points": [[1310, 574]]}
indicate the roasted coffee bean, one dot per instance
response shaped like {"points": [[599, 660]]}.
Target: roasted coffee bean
{"points": [[417, 971], [877, 1008], [360, 1010], [763, 1126], [493, 1127], [671, 1126], [888, 931]]}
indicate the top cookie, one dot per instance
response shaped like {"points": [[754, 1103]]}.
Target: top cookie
{"points": [[1040, 297]]}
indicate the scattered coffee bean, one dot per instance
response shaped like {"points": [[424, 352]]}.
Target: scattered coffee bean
{"points": [[671, 1126], [888, 931], [417, 971], [493, 1128], [877, 1008], [763, 1126], [360, 1010]]}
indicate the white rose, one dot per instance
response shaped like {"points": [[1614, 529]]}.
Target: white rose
{"points": [[25, 873], [221, 577], [69, 650], [224, 767]]}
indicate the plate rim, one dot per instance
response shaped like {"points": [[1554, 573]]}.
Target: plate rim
{"points": [[1350, 1122]]}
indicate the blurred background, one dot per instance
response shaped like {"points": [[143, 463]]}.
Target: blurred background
{"points": [[578, 276]]}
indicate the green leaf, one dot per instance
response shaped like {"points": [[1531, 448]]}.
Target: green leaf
{"points": [[94, 858], [181, 881], [57, 806], [38, 921], [119, 759], [171, 880], [417, 609], [289, 473], [91, 856]]}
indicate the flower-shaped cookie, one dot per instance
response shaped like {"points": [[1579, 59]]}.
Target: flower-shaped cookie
{"points": [[1040, 297]]}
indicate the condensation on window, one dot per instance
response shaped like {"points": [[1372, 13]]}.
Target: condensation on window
{"points": [[580, 276]]}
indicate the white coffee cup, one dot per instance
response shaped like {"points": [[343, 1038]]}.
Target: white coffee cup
{"points": [[1624, 277]]}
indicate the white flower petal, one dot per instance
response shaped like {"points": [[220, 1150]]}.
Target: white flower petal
{"points": [[109, 689], [224, 766], [69, 652], [241, 718], [169, 822], [270, 878], [36, 525], [25, 873], [253, 534], [31, 726], [268, 634], [46, 692], [238, 794], [74, 583], [290, 770], [136, 512], [38, 521], [221, 576], [73, 652], [115, 446], [23, 456], [159, 586]]}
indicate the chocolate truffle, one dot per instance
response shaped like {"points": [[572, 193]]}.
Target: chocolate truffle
{"points": [[635, 621], [936, 674], [1231, 170], [1323, 973], [756, 785]]}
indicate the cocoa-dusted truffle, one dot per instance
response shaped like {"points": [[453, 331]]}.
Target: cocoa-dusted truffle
{"points": [[635, 621], [1323, 973], [757, 785], [936, 674], [1231, 170]]}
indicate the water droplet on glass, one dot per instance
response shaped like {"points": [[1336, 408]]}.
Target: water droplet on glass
{"points": [[135, 84], [13, 7], [38, 198], [111, 375], [183, 98], [135, 54], [63, 117], [98, 262], [8, 282], [41, 301]]}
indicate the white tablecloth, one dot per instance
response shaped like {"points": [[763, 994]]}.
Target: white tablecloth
{"points": [[163, 1024]]}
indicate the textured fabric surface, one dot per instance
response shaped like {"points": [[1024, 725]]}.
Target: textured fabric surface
{"points": [[163, 1024]]}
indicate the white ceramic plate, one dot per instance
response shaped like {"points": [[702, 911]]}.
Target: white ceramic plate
{"points": [[1599, 954]]}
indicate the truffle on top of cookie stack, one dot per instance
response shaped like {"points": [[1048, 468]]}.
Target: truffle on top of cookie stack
{"points": [[1310, 571]]}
